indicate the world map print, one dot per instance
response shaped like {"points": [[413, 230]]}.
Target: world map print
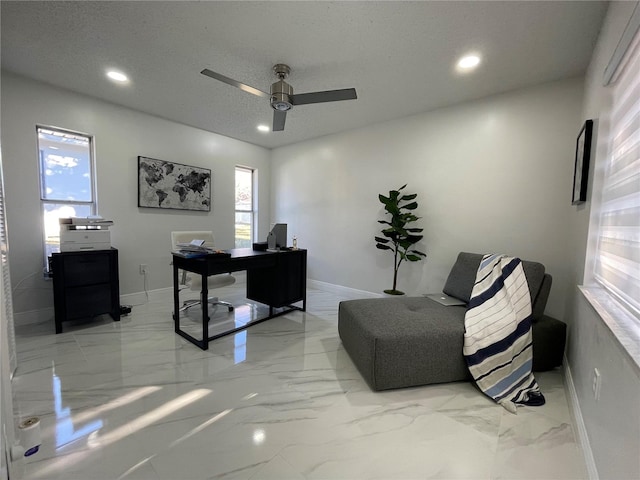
{"points": [[163, 184]]}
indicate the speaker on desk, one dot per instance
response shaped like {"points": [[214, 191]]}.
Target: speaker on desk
{"points": [[260, 246]]}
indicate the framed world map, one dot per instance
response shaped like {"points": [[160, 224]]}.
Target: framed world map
{"points": [[163, 184]]}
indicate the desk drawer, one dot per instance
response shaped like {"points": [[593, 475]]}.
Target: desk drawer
{"points": [[88, 301], [86, 269]]}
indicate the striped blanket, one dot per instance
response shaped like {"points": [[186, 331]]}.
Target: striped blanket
{"points": [[497, 339]]}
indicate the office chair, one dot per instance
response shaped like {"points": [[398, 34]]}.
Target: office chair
{"points": [[192, 280]]}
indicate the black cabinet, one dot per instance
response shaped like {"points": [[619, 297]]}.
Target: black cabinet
{"points": [[282, 284], [85, 285]]}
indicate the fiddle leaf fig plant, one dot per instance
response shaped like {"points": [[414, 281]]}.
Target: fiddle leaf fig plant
{"points": [[398, 237]]}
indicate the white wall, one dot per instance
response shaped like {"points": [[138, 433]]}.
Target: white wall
{"points": [[613, 422], [141, 235], [494, 175]]}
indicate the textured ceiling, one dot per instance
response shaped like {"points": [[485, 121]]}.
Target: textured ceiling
{"points": [[399, 56]]}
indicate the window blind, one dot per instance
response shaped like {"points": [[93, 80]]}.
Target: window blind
{"points": [[617, 262], [7, 313]]}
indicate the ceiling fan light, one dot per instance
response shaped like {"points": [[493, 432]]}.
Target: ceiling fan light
{"points": [[281, 105], [280, 92]]}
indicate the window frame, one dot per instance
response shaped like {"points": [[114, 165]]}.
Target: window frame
{"points": [[92, 204], [252, 210]]}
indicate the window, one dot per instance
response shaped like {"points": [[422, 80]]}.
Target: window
{"points": [[617, 261], [66, 181], [245, 210]]}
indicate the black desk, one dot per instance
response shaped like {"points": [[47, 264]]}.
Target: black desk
{"points": [[277, 279]]}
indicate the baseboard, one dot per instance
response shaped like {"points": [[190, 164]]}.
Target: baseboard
{"points": [[34, 316], [140, 298], [339, 289], [578, 421], [44, 315]]}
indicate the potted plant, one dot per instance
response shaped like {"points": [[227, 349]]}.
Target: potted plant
{"points": [[398, 237]]}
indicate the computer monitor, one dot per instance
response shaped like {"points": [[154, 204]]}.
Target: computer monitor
{"points": [[279, 234]]}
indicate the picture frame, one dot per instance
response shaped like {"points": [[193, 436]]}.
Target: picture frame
{"points": [[170, 185], [581, 166]]}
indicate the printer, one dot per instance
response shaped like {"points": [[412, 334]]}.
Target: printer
{"points": [[81, 234]]}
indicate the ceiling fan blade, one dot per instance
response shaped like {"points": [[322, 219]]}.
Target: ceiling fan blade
{"points": [[234, 83], [321, 97], [279, 118]]}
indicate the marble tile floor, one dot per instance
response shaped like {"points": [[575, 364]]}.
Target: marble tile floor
{"points": [[280, 400]]}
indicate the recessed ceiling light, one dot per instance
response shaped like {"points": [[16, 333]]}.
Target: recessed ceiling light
{"points": [[263, 128], [117, 76], [468, 63]]}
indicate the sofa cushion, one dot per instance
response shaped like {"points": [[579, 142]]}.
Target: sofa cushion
{"points": [[460, 282], [534, 272], [462, 276], [540, 302]]}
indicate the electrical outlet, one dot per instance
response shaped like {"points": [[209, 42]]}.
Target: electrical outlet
{"points": [[143, 269], [597, 384]]}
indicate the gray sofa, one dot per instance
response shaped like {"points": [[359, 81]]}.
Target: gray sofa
{"points": [[408, 341]]}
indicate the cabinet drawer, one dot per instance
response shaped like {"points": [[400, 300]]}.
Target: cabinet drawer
{"points": [[282, 284], [88, 301], [86, 269]]}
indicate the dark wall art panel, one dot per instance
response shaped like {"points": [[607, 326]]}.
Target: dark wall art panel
{"points": [[171, 185]]}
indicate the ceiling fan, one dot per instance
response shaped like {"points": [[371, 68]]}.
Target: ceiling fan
{"points": [[282, 97]]}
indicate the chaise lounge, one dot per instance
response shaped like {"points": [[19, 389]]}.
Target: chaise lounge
{"points": [[410, 341]]}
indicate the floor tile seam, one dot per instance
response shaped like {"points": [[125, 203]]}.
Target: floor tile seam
{"points": [[496, 463], [534, 413], [276, 455], [536, 443], [80, 347], [564, 418], [146, 461]]}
